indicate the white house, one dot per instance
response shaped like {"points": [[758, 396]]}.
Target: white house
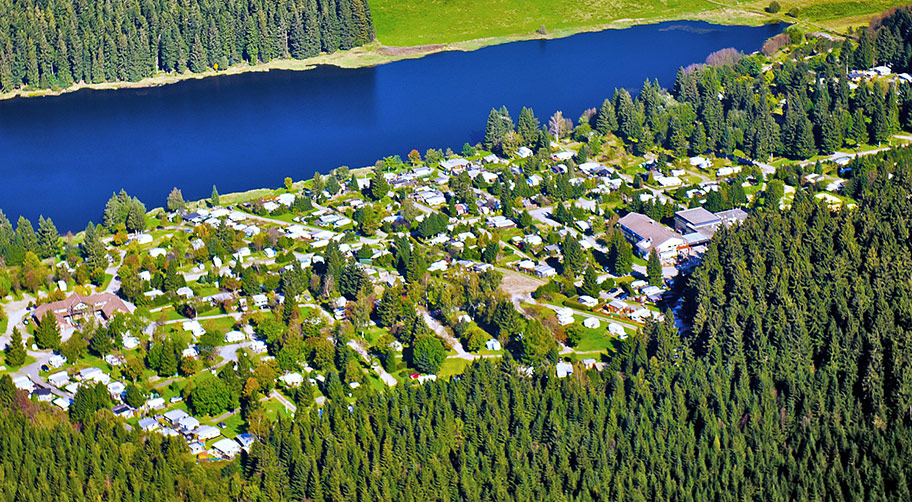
{"points": [[260, 301], [493, 344], [227, 447], [175, 416], [591, 322], [532, 240], [286, 199], [292, 379], [564, 369], [616, 329], [206, 432], [148, 424], [116, 388], [588, 301], [23, 382], [194, 327], [439, 265], [94, 374], [545, 271], [59, 379], [234, 336], [565, 316], [155, 403], [56, 361], [189, 423]]}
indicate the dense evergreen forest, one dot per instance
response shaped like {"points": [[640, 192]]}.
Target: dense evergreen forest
{"points": [[56, 43], [794, 384]]}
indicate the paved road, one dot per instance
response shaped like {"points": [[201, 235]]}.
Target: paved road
{"points": [[443, 333], [385, 377], [285, 402]]}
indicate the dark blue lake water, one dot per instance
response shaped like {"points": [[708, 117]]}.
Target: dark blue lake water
{"points": [[63, 156]]}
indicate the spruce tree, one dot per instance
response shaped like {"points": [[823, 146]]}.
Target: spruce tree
{"points": [[93, 250], [527, 126], [47, 334], [654, 269], [15, 351], [880, 123], [378, 185], [590, 286], [26, 238], [48, 238], [574, 256], [606, 121]]}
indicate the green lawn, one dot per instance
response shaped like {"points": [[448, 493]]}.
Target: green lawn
{"points": [[274, 409], [453, 366], [12, 369], [222, 324], [234, 425], [597, 339]]}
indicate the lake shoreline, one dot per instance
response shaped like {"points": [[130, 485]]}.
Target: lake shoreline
{"points": [[375, 54]]}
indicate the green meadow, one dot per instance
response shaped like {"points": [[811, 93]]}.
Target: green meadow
{"points": [[404, 23]]}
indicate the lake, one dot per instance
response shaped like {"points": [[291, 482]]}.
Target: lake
{"points": [[63, 156]]}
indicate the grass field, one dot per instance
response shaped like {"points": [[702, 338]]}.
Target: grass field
{"points": [[407, 23]]}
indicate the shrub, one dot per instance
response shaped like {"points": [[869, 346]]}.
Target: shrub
{"points": [[773, 7]]}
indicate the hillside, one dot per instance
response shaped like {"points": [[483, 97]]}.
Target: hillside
{"points": [[406, 23]]}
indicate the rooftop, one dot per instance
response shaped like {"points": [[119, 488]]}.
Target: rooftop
{"points": [[698, 217]]}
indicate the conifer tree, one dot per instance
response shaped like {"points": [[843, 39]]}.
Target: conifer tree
{"points": [[47, 335], [606, 121], [176, 200], [528, 126], [15, 351], [48, 238], [654, 269], [591, 286]]}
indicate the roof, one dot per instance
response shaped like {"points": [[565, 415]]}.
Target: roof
{"points": [[697, 217], [227, 446], [107, 303], [176, 415], [647, 229], [732, 215]]}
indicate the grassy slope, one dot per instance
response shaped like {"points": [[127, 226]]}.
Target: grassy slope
{"points": [[409, 23], [406, 23]]}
